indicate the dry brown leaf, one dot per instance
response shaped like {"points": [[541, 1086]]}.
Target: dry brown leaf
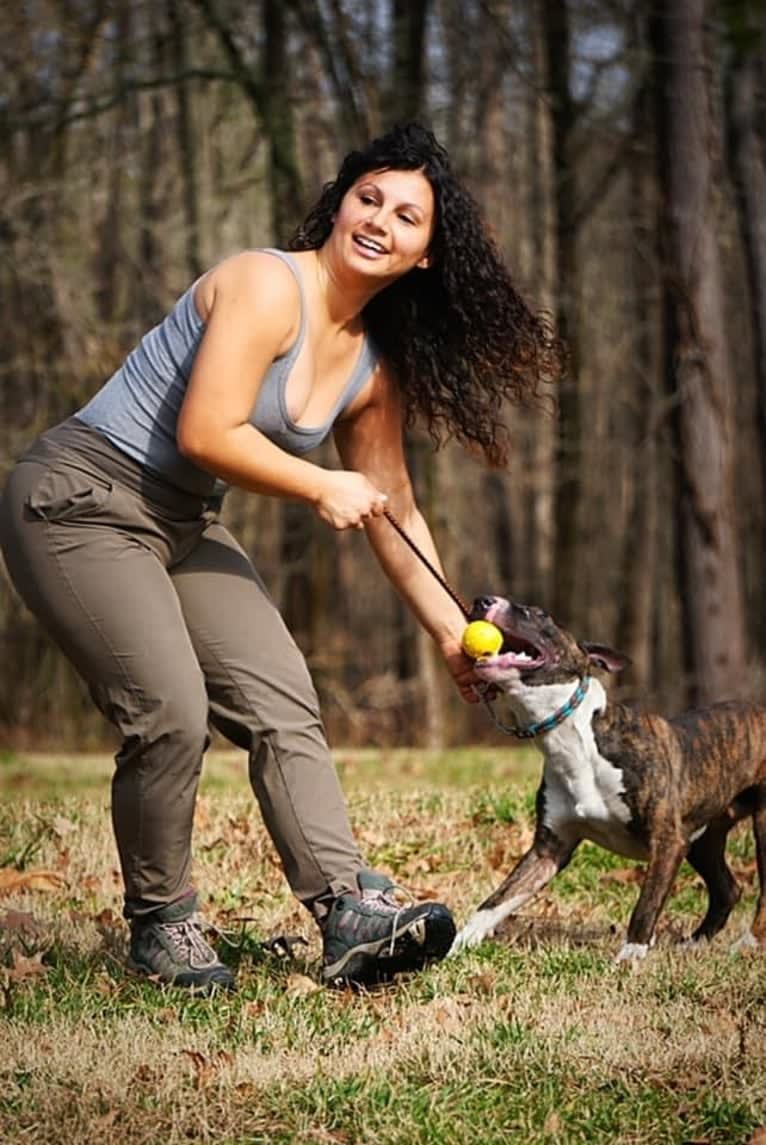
{"points": [[23, 923], [201, 815], [41, 880], [300, 984], [623, 875], [105, 986], [24, 967], [239, 824], [372, 838], [523, 838], [106, 1121], [552, 1123], [417, 865], [484, 982], [144, 1074], [106, 920], [253, 1009], [758, 1136], [206, 1069], [200, 1065], [501, 856]]}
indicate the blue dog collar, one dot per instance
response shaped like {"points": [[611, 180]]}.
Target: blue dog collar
{"points": [[540, 727]]}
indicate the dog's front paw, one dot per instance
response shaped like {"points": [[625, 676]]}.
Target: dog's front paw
{"points": [[478, 927], [632, 952]]}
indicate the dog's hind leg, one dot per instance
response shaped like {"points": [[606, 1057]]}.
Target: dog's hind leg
{"points": [[547, 855], [707, 856]]}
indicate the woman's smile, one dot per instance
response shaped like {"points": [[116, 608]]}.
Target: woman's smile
{"points": [[368, 247]]}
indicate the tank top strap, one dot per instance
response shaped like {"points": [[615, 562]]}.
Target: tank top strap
{"points": [[284, 256]]}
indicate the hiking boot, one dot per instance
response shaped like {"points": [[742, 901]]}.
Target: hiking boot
{"points": [[369, 937], [168, 945]]}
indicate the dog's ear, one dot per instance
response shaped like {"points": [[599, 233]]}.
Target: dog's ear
{"points": [[605, 657]]}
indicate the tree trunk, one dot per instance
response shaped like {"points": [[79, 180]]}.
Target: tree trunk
{"points": [[491, 176], [187, 142], [335, 49], [746, 93], [566, 587], [455, 30], [147, 283], [698, 367], [406, 95], [109, 251], [284, 176], [540, 272], [639, 577]]}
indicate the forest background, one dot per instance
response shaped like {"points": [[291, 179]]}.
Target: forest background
{"points": [[618, 149]]}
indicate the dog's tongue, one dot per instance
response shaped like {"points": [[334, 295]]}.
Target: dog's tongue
{"points": [[517, 659]]}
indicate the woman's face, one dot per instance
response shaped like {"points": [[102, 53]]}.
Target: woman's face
{"points": [[385, 223]]}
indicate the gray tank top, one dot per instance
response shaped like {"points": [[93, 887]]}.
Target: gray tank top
{"points": [[137, 408]]}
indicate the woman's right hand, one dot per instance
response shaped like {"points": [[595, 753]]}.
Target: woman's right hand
{"points": [[346, 499]]}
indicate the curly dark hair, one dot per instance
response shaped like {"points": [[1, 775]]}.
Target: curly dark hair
{"points": [[458, 335]]}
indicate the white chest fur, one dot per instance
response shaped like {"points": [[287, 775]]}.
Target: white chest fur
{"points": [[584, 792]]}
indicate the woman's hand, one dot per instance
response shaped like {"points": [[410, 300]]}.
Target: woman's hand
{"points": [[461, 668], [346, 499]]}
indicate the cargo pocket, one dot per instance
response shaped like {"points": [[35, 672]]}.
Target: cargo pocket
{"points": [[68, 495]]}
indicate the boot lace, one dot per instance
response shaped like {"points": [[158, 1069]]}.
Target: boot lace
{"points": [[386, 898], [188, 944]]}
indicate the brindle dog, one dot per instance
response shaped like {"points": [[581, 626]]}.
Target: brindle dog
{"points": [[637, 784]]}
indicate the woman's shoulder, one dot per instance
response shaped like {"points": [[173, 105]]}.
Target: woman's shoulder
{"points": [[262, 278]]}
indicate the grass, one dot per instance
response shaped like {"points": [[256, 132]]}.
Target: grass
{"points": [[538, 1037]]}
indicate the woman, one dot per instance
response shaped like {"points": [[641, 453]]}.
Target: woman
{"points": [[393, 305]]}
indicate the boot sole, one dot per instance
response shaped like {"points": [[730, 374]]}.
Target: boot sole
{"points": [[210, 986]]}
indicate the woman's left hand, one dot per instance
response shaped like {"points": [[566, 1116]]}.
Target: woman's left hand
{"points": [[462, 670]]}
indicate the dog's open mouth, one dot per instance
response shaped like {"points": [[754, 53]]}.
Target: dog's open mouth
{"points": [[516, 652]]}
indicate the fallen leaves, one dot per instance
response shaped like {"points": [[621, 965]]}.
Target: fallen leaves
{"points": [[23, 967], [21, 923], [12, 880], [206, 1069], [625, 875], [552, 1124], [299, 985]]}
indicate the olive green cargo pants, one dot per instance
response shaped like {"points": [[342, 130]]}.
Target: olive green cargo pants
{"points": [[164, 617]]}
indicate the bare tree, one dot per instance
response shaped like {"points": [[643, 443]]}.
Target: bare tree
{"points": [[407, 87], [187, 141], [698, 355], [746, 91], [264, 80]]}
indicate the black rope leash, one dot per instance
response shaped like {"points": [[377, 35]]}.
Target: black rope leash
{"points": [[434, 571]]}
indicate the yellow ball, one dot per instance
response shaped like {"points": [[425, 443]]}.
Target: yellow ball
{"points": [[481, 638]]}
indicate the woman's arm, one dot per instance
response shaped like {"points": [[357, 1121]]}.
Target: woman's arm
{"points": [[253, 311], [370, 441]]}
